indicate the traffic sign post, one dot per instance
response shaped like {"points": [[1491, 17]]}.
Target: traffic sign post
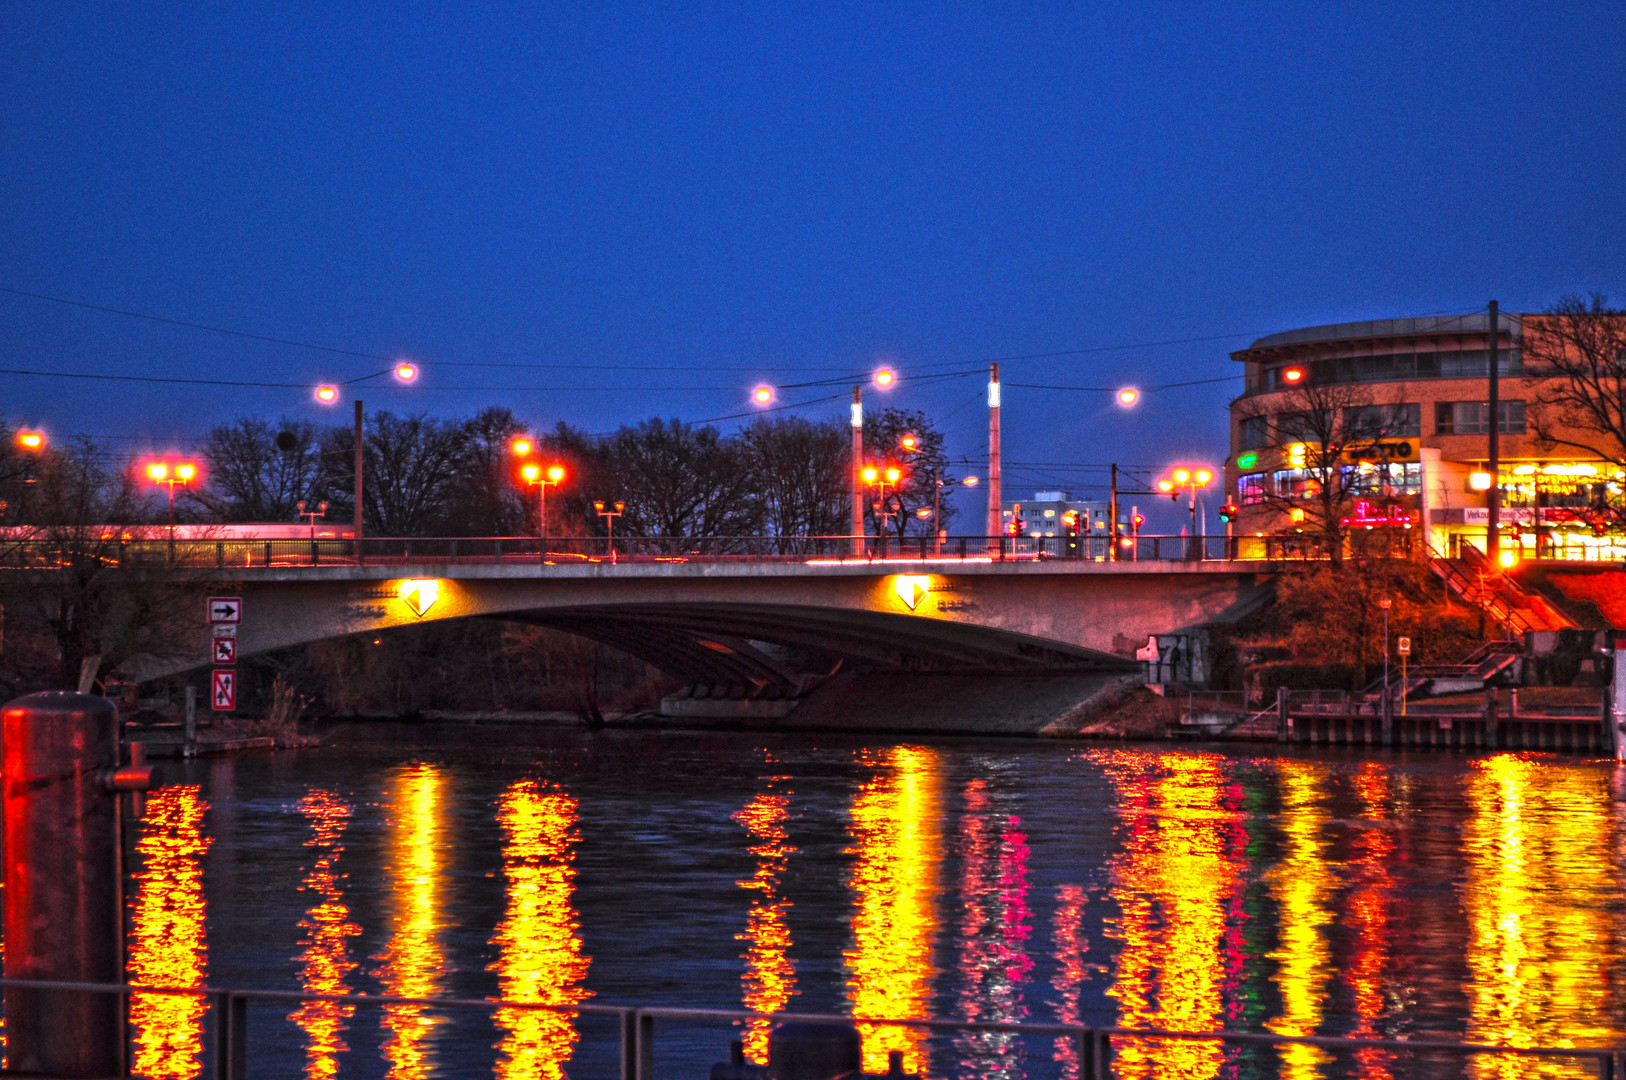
{"points": [[225, 609], [1403, 646], [223, 689]]}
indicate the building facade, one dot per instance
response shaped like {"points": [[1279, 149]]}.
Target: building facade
{"points": [[1042, 522], [1396, 412]]}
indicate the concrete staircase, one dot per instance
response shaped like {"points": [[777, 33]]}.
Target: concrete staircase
{"points": [[1472, 577]]}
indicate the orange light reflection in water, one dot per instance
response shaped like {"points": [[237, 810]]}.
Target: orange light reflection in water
{"points": [[994, 927], [895, 837], [1541, 875], [167, 943], [540, 958], [1072, 972], [1175, 884], [1302, 886], [324, 958], [1367, 910], [413, 964], [769, 978]]}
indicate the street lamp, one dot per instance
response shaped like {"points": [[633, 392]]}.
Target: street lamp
{"points": [[885, 377], [406, 372], [763, 395], [326, 394], [32, 441], [880, 477], [159, 472], [535, 474], [609, 517], [1128, 396], [521, 446], [314, 515], [1189, 480]]}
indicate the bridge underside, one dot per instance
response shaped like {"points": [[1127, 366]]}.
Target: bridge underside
{"points": [[723, 643]]}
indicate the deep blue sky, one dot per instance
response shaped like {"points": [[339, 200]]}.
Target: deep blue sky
{"points": [[816, 188]]}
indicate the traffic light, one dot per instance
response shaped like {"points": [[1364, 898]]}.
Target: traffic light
{"points": [[1069, 531], [1136, 522], [1228, 512]]}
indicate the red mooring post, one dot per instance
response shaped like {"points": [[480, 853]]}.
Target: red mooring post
{"points": [[63, 902]]}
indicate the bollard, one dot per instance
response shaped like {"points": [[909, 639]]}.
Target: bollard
{"points": [[812, 1051], [63, 902]]}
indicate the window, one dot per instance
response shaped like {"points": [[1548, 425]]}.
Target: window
{"points": [[1295, 484], [1473, 417], [1255, 433], [1383, 421], [1250, 488], [1391, 478], [1298, 427]]}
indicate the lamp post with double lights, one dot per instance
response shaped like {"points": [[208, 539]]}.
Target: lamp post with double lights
{"points": [[1189, 480], [880, 477], [609, 517], [542, 478], [171, 476], [314, 515]]}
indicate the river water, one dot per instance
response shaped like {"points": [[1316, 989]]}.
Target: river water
{"points": [[1116, 884]]}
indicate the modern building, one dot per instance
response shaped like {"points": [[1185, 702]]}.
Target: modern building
{"points": [[1036, 523], [1409, 399]]}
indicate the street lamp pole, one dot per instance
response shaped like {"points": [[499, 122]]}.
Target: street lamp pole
{"points": [[996, 527], [360, 459], [609, 517]]}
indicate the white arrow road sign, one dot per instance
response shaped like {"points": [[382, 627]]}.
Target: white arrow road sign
{"points": [[225, 609]]}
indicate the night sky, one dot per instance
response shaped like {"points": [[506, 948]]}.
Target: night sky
{"points": [[647, 210]]}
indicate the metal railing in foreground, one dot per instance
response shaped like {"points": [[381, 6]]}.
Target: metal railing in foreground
{"points": [[1090, 1050], [204, 553]]}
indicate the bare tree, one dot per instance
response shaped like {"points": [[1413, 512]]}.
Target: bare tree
{"points": [[87, 572], [799, 471], [922, 466], [1575, 355], [681, 481], [486, 499], [411, 475], [1330, 441], [260, 472]]}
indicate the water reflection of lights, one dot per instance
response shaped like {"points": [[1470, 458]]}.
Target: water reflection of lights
{"points": [[412, 961], [324, 957], [1540, 885], [1302, 886], [994, 927], [539, 940], [769, 978], [167, 943], [896, 841], [1368, 907], [1176, 885], [1072, 971]]}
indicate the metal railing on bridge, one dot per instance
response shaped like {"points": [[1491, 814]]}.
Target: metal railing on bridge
{"points": [[1072, 1051], [248, 552]]}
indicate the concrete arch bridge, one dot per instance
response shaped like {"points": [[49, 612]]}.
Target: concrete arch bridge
{"points": [[930, 639]]}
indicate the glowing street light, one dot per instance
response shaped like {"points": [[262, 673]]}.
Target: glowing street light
{"points": [[1190, 480], [1128, 396], [885, 377], [971, 481], [520, 446], [910, 443], [327, 395], [406, 372], [31, 440], [763, 395], [609, 517], [881, 476], [535, 475], [182, 473]]}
